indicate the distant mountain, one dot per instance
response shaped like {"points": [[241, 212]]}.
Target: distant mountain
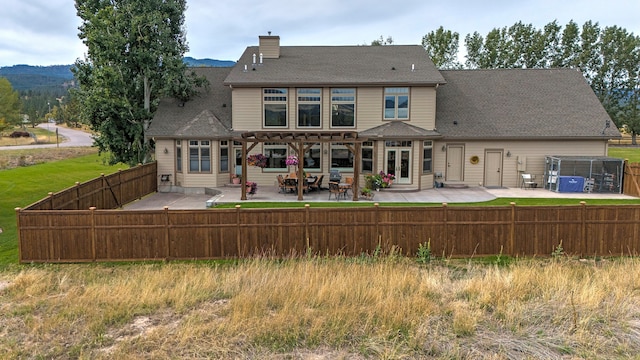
{"points": [[45, 78], [208, 62], [59, 77]]}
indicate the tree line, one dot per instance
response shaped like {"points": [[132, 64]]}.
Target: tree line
{"points": [[609, 58]]}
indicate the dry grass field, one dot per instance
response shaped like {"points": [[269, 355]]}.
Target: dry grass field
{"points": [[10, 159], [380, 307]]}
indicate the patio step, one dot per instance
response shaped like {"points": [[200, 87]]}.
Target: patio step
{"points": [[455, 185], [401, 188]]}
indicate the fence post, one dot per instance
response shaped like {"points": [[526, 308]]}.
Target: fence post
{"points": [[119, 200], [446, 226], [583, 229], [512, 233], [18, 234], [93, 233], [238, 229], [51, 201], [77, 195], [306, 225], [167, 239], [377, 220], [104, 191]]}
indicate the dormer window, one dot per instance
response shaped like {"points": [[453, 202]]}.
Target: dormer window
{"points": [[396, 103]]}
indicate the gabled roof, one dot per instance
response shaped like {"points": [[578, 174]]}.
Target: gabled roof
{"points": [[206, 115], [337, 66], [519, 104], [398, 130]]}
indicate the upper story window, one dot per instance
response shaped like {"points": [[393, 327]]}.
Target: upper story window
{"points": [[343, 107], [275, 107], [309, 107], [396, 103]]}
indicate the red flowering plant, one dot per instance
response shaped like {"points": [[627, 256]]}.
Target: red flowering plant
{"points": [[258, 160]]}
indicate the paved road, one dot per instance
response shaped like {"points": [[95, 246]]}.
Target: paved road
{"points": [[73, 138]]}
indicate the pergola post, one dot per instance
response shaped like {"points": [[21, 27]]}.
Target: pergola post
{"points": [[243, 177], [356, 170], [301, 179]]}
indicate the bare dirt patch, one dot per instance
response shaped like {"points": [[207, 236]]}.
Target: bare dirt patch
{"points": [[3, 285]]}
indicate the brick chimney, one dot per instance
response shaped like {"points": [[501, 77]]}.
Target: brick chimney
{"points": [[270, 46]]}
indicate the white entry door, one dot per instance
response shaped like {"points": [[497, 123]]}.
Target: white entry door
{"points": [[455, 160], [399, 164], [493, 168]]}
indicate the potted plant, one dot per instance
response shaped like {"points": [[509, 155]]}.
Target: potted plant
{"points": [[387, 179], [366, 193], [235, 178], [252, 188]]}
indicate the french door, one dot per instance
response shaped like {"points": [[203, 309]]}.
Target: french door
{"points": [[399, 164]]}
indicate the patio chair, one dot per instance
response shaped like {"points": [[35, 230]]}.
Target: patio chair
{"points": [[347, 185], [336, 190], [290, 185], [281, 186], [528, 182], [317, 185]]}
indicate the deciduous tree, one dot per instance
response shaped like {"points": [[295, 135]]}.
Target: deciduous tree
{"points": [[442, 47], [135, 57], [10, 104]]}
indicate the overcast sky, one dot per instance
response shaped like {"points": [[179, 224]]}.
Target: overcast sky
{"points": [[45, 32]]}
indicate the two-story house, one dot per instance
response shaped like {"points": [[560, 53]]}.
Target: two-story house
{"points": [[367, 109]]}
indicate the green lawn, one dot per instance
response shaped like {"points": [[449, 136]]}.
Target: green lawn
{"points": [[630, 153], [22, 186]]}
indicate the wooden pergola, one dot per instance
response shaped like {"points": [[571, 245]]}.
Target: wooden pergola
{"points": [[300, 142]]}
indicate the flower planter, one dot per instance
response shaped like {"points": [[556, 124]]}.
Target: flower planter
{"points": [[235, 180]]}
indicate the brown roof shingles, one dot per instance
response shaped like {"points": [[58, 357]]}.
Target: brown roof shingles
{"points": [[338, 66], [207, 115], [519, 104]]}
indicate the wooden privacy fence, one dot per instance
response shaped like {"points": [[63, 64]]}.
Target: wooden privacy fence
{"points": [[104, 192], [631, 185], [118, 235]]}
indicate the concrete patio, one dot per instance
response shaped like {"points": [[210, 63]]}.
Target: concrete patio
{"points": [[436, 195]]}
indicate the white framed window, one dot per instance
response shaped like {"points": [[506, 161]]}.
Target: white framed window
{"points": [[396, 103], [224, 156], [312, 158], [276, 154], [199, 156], [309, 101], [341, 158], [367, 157], [275, 107], [178, 156], [343, 107], [427, 157]]}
